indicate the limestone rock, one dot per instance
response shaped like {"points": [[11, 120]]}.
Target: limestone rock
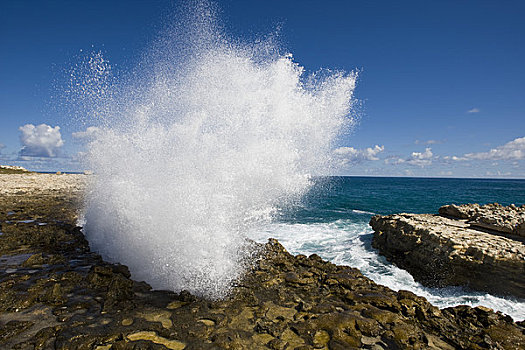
{"points": [[495, 217], [440, 251]]}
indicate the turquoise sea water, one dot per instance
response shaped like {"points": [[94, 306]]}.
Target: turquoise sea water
{"points": [[332, 221]]}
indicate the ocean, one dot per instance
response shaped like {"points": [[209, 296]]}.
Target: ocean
{"points": [[332, 221]]}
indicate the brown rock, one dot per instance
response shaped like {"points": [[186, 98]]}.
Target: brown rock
{"points": [[439, 251], [494, 217]]}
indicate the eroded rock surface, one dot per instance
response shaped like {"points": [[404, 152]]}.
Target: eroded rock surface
{"points": [[496, 217], [440, 251], [57, 294]]}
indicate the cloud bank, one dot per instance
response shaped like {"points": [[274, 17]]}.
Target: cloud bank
{"points": [[420, 159], [40, 141], [513, 150], [353, 155]]}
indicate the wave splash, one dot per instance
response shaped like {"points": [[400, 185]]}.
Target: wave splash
{"points": [[203, 145]]}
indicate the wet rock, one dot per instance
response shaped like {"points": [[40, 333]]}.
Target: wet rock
{"points": [[120, 289], [163, 317], [277, 344], [35, 259], [153, 337], [176, 304], [55, 295], [13, 328], [127, 322]]}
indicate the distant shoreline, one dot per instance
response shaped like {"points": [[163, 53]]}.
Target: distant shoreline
{"points": [[329, 176], [62, 172]]}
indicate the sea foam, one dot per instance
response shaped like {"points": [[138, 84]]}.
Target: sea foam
{"points": [[201, 143]]}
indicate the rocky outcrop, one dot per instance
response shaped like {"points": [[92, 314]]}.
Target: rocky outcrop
{"points": [[11, 169], [57, 294], [441, 251], [496, 217]]}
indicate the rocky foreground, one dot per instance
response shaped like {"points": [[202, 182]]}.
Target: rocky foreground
{"points": [[481, 247], [57, 294]]}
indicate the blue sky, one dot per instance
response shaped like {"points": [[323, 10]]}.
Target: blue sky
{"points": [[441, 85]]}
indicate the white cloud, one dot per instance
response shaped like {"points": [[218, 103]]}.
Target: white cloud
{"points": [[40, 141], [513, 150], [473, 110], [353, 155], [2, 146], [394, 160], [416, 158], [90, 132], [421, 159]]}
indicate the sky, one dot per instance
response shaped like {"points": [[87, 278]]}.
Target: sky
{"points": [[441, 85]]}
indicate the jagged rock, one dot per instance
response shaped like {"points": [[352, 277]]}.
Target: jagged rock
{"points": [[496, 217], [459, 211], [440, 251]]}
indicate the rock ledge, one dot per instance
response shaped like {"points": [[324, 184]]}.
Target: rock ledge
{"points": [[495, 217], [443, 251]]}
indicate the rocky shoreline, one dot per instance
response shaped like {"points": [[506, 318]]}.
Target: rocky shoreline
{"points": [[480, 247], [57, 294]]}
